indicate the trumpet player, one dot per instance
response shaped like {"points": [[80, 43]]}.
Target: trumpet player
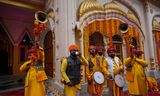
{"points": [[135, 74]]}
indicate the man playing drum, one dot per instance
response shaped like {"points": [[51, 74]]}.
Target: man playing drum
{"points": [[95, 66], [115, 67]]}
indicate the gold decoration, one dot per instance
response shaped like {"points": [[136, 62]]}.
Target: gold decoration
{"points": [[86, 43], [156, 25], [113, 6], [133, 18], [88, 6]]}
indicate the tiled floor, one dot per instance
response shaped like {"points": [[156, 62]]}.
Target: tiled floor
{"points": [[20, 92]]}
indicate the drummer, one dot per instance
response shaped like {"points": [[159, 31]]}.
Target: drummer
{"points": [[96, 60], [115, 67]]}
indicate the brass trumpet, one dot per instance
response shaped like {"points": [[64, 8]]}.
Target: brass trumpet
{"points": [[41, 16], [123, 28]]}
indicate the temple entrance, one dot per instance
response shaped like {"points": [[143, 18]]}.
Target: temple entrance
{"points": [[6, 50], [96, 39], [49, 54]]}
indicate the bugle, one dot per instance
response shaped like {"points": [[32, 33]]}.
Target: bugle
{"points": [[123, 28], [41, 16]]}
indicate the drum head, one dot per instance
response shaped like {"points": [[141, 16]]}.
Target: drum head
{"points": [[119, 80], [98, 77]]}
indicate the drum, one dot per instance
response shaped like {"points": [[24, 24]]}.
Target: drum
{"points": [[98, 77], [119, 80]]}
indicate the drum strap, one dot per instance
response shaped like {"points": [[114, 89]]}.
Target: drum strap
{"points": [[91, 65], [98, 61]]}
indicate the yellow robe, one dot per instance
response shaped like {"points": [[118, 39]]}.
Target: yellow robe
{"points": [[33, 87], [116, 91], [70, 91], [94, 88], [139, 85]]}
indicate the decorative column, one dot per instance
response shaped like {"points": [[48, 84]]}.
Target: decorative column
{"points": [[71, 20], [149, 34]]}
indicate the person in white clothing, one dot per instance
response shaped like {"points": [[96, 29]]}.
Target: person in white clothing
{"points": [[115, 67]]}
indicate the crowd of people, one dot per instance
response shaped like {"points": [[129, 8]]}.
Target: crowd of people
{"points": [[100, 70], [110, 66]]}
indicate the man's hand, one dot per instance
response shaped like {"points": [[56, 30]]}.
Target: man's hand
{"points": [[70, 84]]}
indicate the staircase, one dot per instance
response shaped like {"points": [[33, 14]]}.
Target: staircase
{"points": [[9, 82]]}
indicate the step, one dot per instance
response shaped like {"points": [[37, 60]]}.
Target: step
{"points": [[10, 82]]}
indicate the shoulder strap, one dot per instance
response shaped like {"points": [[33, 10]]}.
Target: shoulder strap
{"points": [[90, 62]]}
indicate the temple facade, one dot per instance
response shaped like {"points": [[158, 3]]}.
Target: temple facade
{"points": [[81, 22]]}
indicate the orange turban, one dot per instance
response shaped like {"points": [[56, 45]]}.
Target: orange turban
{"points": [[73, 47]]}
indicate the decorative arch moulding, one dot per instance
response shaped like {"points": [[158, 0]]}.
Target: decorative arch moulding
{"points": [[103, 16], [156, 29], [113, 15], [91, 7]]}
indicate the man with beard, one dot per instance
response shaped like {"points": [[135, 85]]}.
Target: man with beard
{"points": [[70, 71], [115, 67]]}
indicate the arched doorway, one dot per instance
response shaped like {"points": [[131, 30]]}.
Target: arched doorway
{"points": [[6, 50], [93, 39], [106, 19], [117, 41], [24, 46], [49, 54]]}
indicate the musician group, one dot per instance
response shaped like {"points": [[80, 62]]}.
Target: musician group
{"points": [[104, 70]]}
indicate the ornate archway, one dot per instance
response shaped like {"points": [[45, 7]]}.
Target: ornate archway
{"points": [[106, 20]]}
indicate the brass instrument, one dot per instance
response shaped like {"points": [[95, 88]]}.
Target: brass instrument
{"points": [[123, 28], [41, 16]]}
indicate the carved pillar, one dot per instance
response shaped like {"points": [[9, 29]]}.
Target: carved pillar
{"points": [[149, 34]]}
